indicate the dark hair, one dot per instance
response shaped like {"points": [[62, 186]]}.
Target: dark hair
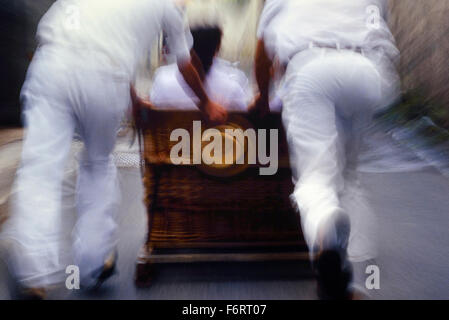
{"points": [[206, 42]]}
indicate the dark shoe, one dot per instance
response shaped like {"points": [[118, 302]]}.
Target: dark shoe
{"points": [[334, 272], [18, 291], [33, 294], [108, 270], [333, 276]]}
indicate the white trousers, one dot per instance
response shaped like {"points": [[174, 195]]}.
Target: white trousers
{"points": [[329, 99], [63, 93]]}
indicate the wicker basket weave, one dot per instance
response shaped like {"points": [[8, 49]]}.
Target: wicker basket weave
{"points": [[189, 208]]}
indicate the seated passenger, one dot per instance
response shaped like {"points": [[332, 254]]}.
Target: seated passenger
{"points": [[222, 81]]}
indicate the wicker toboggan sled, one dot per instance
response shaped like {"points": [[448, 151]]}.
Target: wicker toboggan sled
{"points": [[199, 213]]}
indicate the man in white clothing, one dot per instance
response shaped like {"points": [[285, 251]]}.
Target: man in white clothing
{"points": [[80, 80], [337, 56]]}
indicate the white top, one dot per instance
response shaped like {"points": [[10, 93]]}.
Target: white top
{"points": [[224, 84], [290, 26], [123, 31]]}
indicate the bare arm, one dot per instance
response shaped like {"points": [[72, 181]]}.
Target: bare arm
{"points": [[173, 25], [214, 112], [263, 65], [192, 78]]}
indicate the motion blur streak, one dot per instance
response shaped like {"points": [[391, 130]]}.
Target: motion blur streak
{"points": [[404, 164]]}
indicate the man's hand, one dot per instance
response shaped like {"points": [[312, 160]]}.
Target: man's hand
{"points": [[214, 112], [137, 102], [260, 107], [137, 105]]}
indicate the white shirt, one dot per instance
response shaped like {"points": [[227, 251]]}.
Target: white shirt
{"points": [[122, 31], [290, 26], [224, 84]]}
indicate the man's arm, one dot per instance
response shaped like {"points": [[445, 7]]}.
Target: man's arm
{"points": [[263, 66], [174, 27], [213, 111]]}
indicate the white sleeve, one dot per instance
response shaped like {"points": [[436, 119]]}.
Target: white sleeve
{"points": [[270, 10], [173, 26]]}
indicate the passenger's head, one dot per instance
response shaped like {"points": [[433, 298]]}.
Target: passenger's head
{"points": [[206, 44]]}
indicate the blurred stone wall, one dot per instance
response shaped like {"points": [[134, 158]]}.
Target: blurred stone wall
{"points": [[421, 28]]}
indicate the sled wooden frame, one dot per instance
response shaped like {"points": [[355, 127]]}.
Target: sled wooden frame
{"points": [[188, 237]]}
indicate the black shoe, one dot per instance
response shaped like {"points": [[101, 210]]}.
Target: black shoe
{"points": [[16, 290], [107, 271], [334, 272], [32, 294], [333, 275]]}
